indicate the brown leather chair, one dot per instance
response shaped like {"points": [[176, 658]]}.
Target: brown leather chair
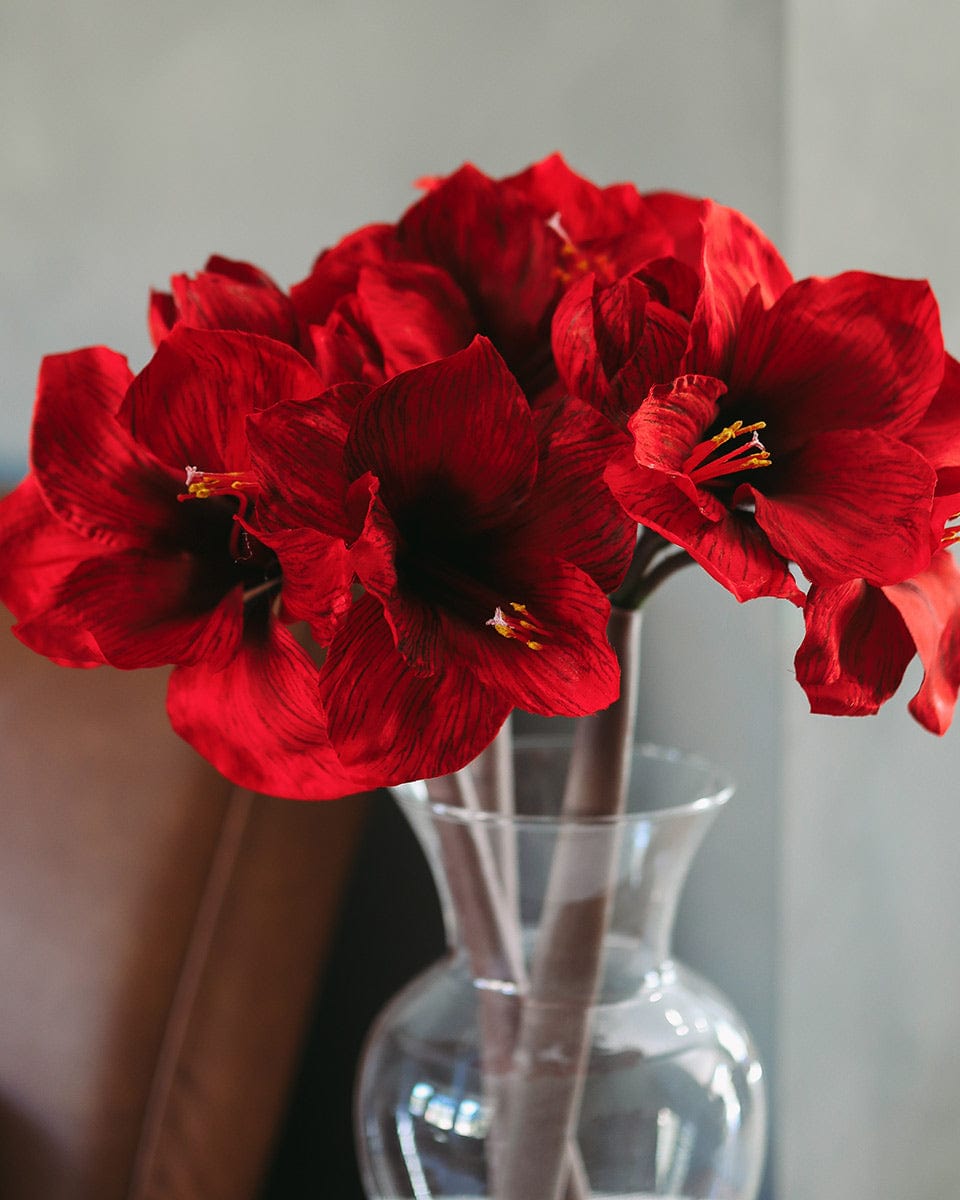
{"points": [[161, 934]]}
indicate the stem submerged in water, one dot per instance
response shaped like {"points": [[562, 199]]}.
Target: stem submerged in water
{"points": [[542, 1101]]}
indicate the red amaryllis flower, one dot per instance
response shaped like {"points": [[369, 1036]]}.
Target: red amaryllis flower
{"points": [[228, 295], [860, 640], [797, 454], [512, 246], [485, 539], [107, 563]]}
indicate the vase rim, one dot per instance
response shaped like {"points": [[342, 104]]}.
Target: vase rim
{"points": [[714, 791]]}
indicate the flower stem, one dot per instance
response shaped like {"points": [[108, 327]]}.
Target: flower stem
{"points": [[492, 773], [642, 578], [565, 975]]}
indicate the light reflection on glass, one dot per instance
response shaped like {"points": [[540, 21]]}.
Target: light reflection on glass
{"points": [[440, 1112], [468, 1117], [732, 1041], [411, 1159], [722, 1086]]}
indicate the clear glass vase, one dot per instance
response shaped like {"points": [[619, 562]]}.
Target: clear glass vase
{"points": [[559, 1052]]}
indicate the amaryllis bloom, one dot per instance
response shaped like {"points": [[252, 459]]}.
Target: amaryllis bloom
{"points": [[114, 555], [512, 246], [485, 542], [786, 441], [228, 295], [860, 640]]}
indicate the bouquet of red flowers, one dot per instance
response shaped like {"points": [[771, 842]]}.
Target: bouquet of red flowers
{"points": [[367, 518], [435, 453]]}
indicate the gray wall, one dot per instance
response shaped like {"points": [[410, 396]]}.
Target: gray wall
{"points": [[869, 984], [136, 139]]}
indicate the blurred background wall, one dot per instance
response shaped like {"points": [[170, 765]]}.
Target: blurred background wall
{"points": [[868, 1014], [137, 139]]}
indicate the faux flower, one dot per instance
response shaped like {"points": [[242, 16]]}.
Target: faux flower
{"points": [[511, 247], [786, 441], [431, 458], [485, 541], [114, 556], [860, 640]]}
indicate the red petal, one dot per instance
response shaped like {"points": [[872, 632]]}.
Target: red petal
{"points": [[38, 550], [317, 577], [736, 258], [497, 247], [188, 406], [853, 352], [234, 299], [655, 361], [56, 636], [260, 723], [571, 670], [297, 449], [456, 432], [571, 512], [849, 505], [373, 550], [586, 210], [930, 607], [681, 217], [91, 473], [239, 271], [613, 344], [387, 719], [161, 316], [729, 545], [575, 343], [937, 434], [855, 651], [417, 313], [336, 270], [670, 423], [141, 609], [673, 284], [344, 349]]}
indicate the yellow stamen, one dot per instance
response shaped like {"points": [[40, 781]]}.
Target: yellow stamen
{"points": [[517, 626], [201, 485], [702, 467]]}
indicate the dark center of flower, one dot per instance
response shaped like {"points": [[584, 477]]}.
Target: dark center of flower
{"points": [[729, 452], [230, 554], [457, 569]]}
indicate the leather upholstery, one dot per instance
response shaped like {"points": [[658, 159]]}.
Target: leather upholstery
{"points": [[160, 937]]}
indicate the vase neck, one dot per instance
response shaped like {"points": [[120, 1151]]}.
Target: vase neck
{"points": [[507, 882]]}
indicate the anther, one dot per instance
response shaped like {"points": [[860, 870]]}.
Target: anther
{"points": [[518, 624], [704, 465]]}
